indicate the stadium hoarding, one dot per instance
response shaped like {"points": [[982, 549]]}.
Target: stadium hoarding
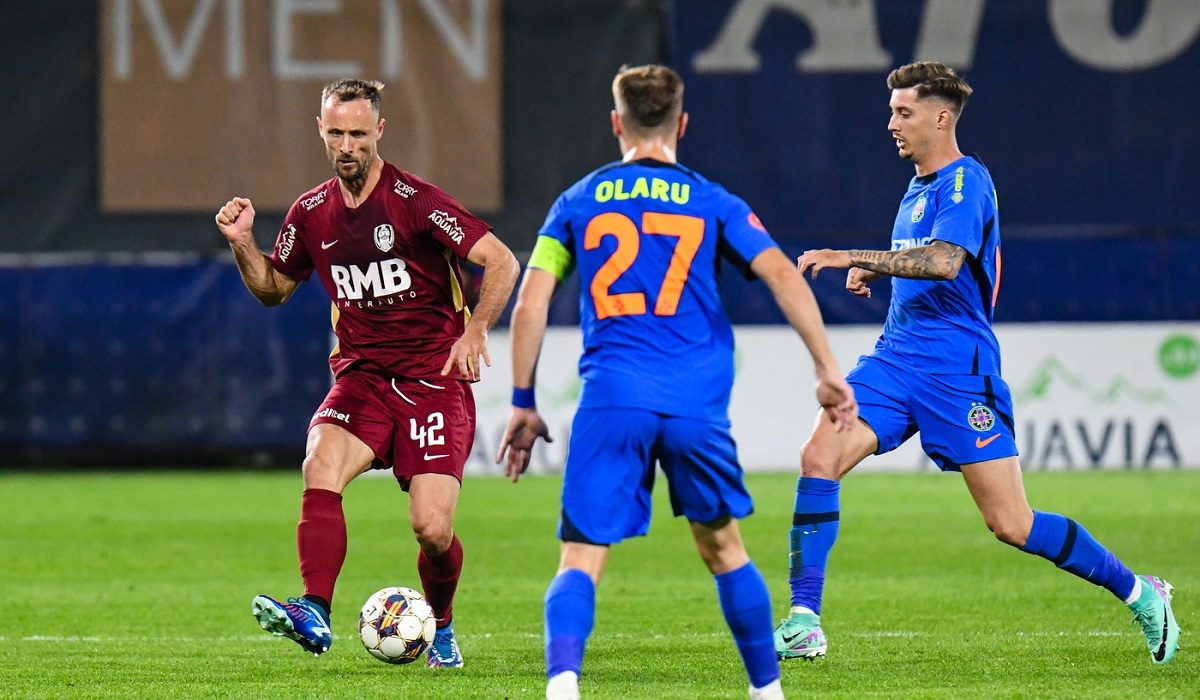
{"points": [[1086, 396], [202, 100], [788, 105]]}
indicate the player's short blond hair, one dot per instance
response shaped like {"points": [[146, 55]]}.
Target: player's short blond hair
{"points": [[648, 97], [932, 79], [352, 89]]}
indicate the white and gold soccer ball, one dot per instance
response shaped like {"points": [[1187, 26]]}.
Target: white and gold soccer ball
{"points": [[396, 625]]}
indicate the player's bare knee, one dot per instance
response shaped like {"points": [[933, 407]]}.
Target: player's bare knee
{"points": [[434, 538], [818, 460], [1010, 531], [320, 472]]}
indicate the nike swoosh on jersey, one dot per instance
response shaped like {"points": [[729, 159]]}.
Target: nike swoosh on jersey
{"points": [[980, 442], [327, 246], [429, 458]]}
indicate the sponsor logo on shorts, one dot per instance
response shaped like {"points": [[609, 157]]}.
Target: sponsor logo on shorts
{"points": [[981, 418], [333, 413], [430, 458], [981, 443]]}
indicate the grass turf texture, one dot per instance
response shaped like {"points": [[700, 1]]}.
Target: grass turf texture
{"points": [[139, 585]]}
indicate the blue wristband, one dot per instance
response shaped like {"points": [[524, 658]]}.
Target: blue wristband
{"points": [[523, 398]]}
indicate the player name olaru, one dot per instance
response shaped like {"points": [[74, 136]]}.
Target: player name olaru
{"points": [[643, 188]]}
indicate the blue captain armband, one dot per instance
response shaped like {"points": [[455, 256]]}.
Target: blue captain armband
{"points": [[523, 398], [553, 257]]}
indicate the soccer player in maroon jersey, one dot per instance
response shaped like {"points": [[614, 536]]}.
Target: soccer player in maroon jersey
{"points": [[385, 245]]}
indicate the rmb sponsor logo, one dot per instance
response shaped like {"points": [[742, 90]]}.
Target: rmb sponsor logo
{"points": [[404, 189], [313, 201], [333, 413], [447, 223], [379, 279], [287, 241], [385, 237]]}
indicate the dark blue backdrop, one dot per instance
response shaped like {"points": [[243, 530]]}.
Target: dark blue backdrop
{"points": [[1069, 145]]}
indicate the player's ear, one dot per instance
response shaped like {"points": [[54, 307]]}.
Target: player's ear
{"points": [[379, 128], [320, 128], [683, 122], [617, 128]]}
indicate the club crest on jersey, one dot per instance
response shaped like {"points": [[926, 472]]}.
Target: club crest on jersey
{"points": [[385, 237], [981, 418], [918, 211]]}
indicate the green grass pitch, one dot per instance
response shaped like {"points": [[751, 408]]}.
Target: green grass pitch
{"points": [[139, 585]]}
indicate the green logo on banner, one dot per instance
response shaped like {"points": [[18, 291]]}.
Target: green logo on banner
{"points": [[1179, 356]]}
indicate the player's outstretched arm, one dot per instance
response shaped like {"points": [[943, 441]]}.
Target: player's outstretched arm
{"points": [[528, 331], [268, 285], [799, 306], [500, 271], [939, 260]]}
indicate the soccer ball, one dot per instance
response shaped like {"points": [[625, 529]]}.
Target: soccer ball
{"points": [[396, 625]]}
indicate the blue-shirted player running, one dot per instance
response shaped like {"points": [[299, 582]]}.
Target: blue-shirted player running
{"points": [[647, 236], [936, 370]]}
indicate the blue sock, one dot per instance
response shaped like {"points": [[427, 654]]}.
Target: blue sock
{"points": [[746, 605], [1072, 548], [814, 530], [570, 612]]}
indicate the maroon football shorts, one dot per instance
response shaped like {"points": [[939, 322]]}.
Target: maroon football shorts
{"points": [[414, 426]]}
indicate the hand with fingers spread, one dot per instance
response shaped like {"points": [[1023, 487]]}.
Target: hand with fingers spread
{"points": [[524, 428], [467, 351]]}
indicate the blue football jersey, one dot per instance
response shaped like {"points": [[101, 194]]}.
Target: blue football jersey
{"points": [[647, 238], [945, 327]]}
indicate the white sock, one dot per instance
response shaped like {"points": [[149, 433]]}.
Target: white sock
{"points": [[802, 609], [1136, 592], [770, 691], [563, 686]]}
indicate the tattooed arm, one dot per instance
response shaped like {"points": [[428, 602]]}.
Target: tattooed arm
{"points": [[937, 261]]}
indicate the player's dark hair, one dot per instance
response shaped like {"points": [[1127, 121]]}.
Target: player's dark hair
{"points": [[352, 89], [932, 79], [649, 96]]}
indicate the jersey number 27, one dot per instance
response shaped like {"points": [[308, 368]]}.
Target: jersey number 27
{"points": [[688, 229]]}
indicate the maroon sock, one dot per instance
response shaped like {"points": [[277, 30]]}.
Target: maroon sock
{"points": [[439, 577], [321, 541]]}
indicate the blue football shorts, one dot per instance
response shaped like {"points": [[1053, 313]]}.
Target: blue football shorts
{"points": [[611, 468], [962, 418]]}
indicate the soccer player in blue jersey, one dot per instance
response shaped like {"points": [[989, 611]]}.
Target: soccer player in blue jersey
{"points": [[647, 236], [936, 370]]}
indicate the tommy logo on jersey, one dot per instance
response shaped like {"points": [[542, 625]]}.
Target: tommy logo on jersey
{"points": [[404, 189], [981, 418], [385, 237]]}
